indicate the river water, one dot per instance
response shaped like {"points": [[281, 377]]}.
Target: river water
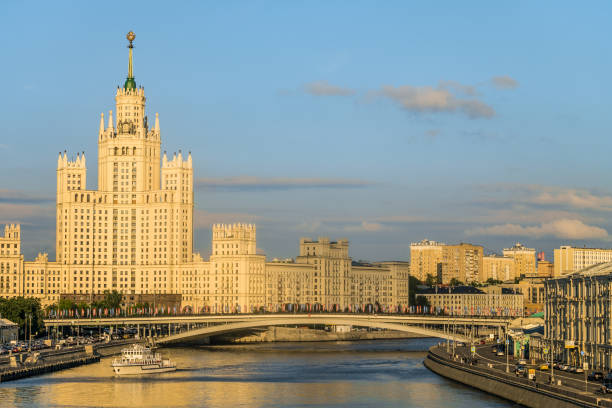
{"points": [[340, 374]]}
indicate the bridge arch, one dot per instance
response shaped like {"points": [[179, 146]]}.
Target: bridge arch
{"points": [[224, 328]]}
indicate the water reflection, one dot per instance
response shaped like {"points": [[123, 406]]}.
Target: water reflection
{"points": [[365, 374]]}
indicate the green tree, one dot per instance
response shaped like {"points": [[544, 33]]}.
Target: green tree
{"points": [[112, 299], [20, 310], [431, 280], [492, 281], [412, 285], [65, 304], [455, 282], [422, 301]]}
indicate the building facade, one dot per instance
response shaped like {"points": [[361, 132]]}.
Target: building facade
{"points": [[470, 301], [570, 259], [425, 258], [524, 259], [578, 316], [500, 268], [463, 262], [134, 234]]}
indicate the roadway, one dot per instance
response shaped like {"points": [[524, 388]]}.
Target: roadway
{"points": [[572, 380]]}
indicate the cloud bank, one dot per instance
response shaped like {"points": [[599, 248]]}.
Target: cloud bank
{"points": [[435, 100], [248, 183], [20, 197], [563, 228]]}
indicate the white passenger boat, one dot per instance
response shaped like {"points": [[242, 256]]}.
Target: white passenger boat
{"points": [[137, 359]]}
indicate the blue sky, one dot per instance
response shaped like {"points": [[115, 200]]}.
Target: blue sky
{"points": [[382, 122]]}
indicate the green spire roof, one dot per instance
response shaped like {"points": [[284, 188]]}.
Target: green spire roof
{"points": [[130, 83]]}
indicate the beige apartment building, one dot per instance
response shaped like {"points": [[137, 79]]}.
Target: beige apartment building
{"points": [[134, 234], [498, 268], [578, 316], [463, 262], [425, 258], [524, 259], [569, 259]]}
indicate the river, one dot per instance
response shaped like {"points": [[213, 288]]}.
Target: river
{"points": [[339, 374]]}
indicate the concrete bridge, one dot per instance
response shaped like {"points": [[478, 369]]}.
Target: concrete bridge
{"points": [[192, 328]]}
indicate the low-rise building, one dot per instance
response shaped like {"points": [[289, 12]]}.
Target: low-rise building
{"points": [[471, 301], [9, 331]]}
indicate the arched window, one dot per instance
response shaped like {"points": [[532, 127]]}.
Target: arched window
{"points": [[116, 151], [134, 151]]}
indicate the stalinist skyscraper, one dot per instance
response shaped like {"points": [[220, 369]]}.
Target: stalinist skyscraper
{"points": [[134, 234], [137, 223]]}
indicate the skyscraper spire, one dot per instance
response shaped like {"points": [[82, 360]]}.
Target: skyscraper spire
{"points": [[130, 83], [110, 120], [102, 123]]}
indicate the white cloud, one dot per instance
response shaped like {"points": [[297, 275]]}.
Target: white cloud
{"points": [[435, 100], [504, 82], [563, 228], [324, 88]]}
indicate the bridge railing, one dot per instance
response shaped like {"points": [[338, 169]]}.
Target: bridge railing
{"points": [[85, 314]]}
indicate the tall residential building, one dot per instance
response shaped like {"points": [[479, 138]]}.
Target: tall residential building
{"points": [[11, 262], [569, 259], [463, 262], [524, 259], [134, 234], [497, 268], [425, 258]]}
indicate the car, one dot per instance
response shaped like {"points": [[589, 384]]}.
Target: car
{"points": [[500, 353], [494, 350], [578, 370], [520, 369], [564, 367], [595, 376], [543, 367], [522, 361], [571, 369]]}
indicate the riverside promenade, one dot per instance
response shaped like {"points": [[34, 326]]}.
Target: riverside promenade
{"points": [[493, 379], [56, 360]]}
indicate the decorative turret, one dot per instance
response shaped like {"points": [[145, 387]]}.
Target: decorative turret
{"points": [[101, 123], [110, 120], [241, 237]]}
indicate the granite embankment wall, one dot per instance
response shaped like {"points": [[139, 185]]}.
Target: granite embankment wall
{"points": [[291, 334], [44, 368], [518, 390]]}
